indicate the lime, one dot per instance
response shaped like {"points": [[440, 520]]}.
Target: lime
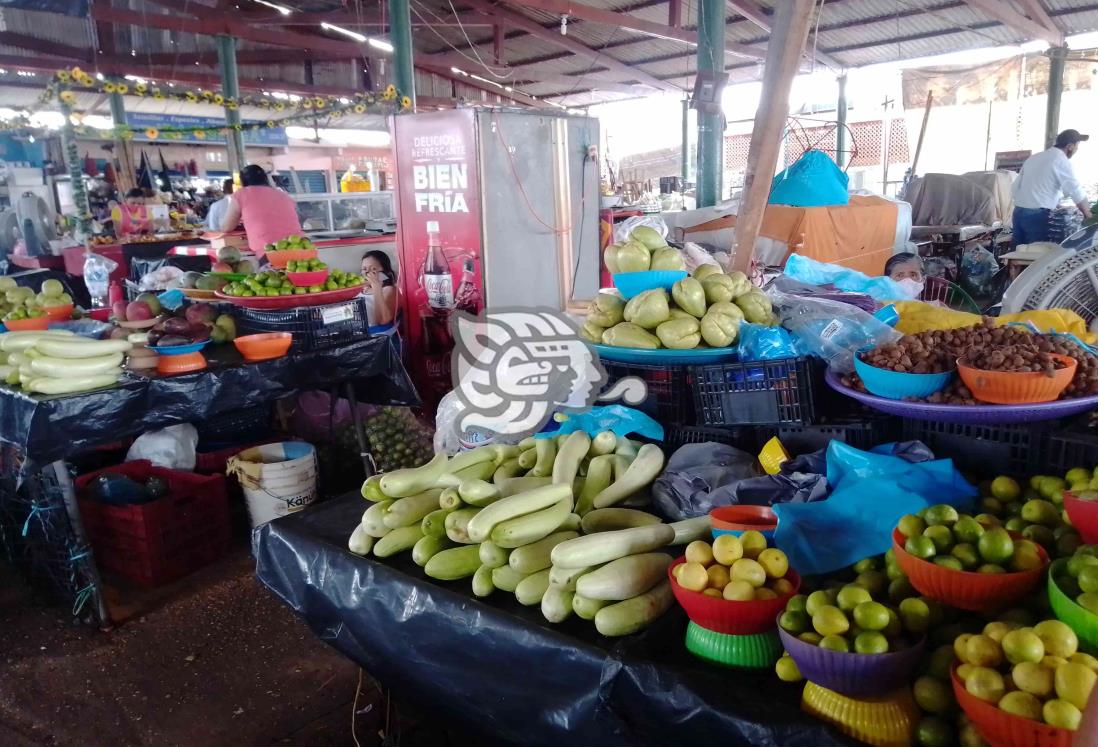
{"points": [[834, 643], [1053, 662], [964, 670], [794, 622], [750, 571], [967, 554], [1052, 486], [718, 576], [1074, 682], [985, 684], [997, 629], [1079, 561], [987, 521], [932, 731], [739, 591], [796, 603], [774, 562], [982, 651], [787, 670], [1069, 586], [1023, 645], [866, 564], [911, 525], [941, 661], [995, 546], [1021, 704], [1005, 488], [871, 616], [1088, 578], [781, 586], [871, 642], [699, 551], [876, 582], [1026, 559], [991, 505], [941, 514], [693, 576], [1062, 714], [933, 695], [900, 589], [727, 549], [811, 636], [967, 529], [915, 614], [895, 624], [1040, 534], [753, 543], [1086, 660], [816, 600], [990, 568], [894, 571], [830, 620], [1033, 678], [1040, 512], [764, 593], [921, 547], [851, 596], [968, 736], [950, 562], [941, 536], [1077, 474], [1088, 601]]}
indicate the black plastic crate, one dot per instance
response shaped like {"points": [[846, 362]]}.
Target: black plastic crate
{"points": [[1070, 448], [669, 399], [746, 439], [863, 433], [248, 425], [986, 450], [773, 392], [313, 327]]}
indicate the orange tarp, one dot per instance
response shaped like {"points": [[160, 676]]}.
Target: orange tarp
{"points": [[859, 235]]}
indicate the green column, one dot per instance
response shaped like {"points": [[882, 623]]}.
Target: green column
{"points": [[685, 142], [710, 124], [76, 172], [230, 89], [1056, 57], [400, 36], [840, 123]]}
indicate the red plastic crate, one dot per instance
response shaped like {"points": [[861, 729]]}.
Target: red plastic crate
{"points": [[158, 542]]}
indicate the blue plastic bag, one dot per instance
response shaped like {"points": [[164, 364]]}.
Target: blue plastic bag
{"points": [[869, 494], [760, 343], [620, 419], [814, 180], [814, 272]]}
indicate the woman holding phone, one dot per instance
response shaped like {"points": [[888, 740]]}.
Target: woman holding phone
{"points": [[382, 292]]}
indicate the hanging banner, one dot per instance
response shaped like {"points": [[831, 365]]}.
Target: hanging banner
{"points": [[438, 198], [147, 129]]}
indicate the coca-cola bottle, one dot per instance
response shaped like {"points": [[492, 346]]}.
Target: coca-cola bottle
{"points": [[467, 297], [438, 283], [438, 344]]}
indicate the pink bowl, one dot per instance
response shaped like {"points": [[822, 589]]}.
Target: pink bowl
{"points": [[1084, 517]]}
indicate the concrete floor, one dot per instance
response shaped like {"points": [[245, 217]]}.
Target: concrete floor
{"points": [[214, 660]]}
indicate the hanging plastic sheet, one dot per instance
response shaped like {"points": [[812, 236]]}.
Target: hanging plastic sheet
{"points": [[575, 686], [869, 494]]}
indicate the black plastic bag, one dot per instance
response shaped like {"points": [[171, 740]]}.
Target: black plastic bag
{"points": [[693, 473]]}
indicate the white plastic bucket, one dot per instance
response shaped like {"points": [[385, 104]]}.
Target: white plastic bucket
{"points": [[277, 479]]}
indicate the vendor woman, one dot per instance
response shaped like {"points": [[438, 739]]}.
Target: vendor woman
{"points": [[382, 294], [268, 213], [132, 216], [906, 269]]}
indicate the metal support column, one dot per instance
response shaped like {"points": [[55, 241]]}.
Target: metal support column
{"points": [[840, 123], [400, 36], [1056, 58], [122, 151], [685, 142], [710, 124], [230, 89]]}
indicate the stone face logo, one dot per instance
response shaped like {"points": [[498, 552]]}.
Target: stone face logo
{"points": [[513, 368]]}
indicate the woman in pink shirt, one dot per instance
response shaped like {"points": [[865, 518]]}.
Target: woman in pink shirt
{"points": [[269, 214]]}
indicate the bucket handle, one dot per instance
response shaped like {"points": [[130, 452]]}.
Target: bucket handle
{"points": [[253, 483]]}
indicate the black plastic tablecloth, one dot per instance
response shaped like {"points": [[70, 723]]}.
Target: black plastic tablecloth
{"points": [[51, 428], [499, 670]]}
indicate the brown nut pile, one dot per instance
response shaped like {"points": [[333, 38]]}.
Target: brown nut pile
{"points": [[1024, 358]]}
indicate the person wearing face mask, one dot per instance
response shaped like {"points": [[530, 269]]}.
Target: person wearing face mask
{"points": [[906, 269], [1044, 178]]}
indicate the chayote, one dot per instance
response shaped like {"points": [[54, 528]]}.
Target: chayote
{"points": [[610, 257], [740, 284], [728, 309], [648, 309], [606, 310], [667, 258], [591, 332], [755, 306], [633, 256], [704, 271], [719, 330], [679, 334], [690, 296], [627, 335], [648, 236], [677, 313], [718, 288]]}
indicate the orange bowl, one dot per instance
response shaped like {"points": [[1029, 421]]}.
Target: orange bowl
{"points": [[180, 364], [728, 616], [281, 259], [1084, 517], [264, 346], [59, 313], [976, 592], [1015, 388], [1003, 729], [28, 325]]}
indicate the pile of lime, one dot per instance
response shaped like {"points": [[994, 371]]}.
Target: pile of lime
{"points": [[275, 283], [959, 542], [1078, 578], [305, 265], [1037, 511], [736, 568]]}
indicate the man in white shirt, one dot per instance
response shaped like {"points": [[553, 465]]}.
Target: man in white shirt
{"points": [[217, 210], [1046, 177]]}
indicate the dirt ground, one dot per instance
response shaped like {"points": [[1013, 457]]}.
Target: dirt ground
{"points": [[218, 660]]}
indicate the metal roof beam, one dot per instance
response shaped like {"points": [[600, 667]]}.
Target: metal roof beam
{"points": [[34, 44], [608, 18], [1004, 14], [1036, 10], [752, 11]]}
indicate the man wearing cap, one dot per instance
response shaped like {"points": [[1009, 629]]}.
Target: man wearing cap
{"points": [[1044, 178]]}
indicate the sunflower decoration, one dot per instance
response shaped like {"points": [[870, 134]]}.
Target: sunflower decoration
{"points": [[405, 103], [76, 73], [218, 99], [121, 88], [336, 114], [67, 97], [360, 108], [200, 134], [207, 95], [279, 106], [64, 76], [157, 94], [319, 102], [191, 96], [109, 87], [263, 103], [232, 105], [390, 92], [306, 103], [370, 100], [141, 89], [152, 133], [270, 123]]}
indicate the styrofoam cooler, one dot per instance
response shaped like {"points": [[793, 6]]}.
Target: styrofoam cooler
{"points": [[277, 479]]}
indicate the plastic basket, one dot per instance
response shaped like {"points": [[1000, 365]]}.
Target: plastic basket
{"points": [[985, 449], [1067, 449], [741, 438], [757, 392], [313, 327], [864, 433], [239, 426], [669, 400], [161, 541]]}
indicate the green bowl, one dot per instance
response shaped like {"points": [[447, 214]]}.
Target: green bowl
{"points": [[758, 651], [1083, 622]]}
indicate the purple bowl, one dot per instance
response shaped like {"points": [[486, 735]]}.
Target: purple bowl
{"points": [[969, 414], [855, 675]]}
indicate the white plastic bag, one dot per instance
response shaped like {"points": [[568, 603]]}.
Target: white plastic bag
{"points": [[161, 279], [623, 229], [97, 276], [172, 447], [695, 256], [833, 330]]}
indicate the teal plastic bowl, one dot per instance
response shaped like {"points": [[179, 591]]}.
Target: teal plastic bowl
{"points": [[896, 385], [634, 283], [758, 651]]}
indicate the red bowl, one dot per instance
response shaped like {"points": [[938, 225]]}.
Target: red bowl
{"points": [[28, 325], [305, 279], [1084, 517], [1004, 729], [102, 314], [61, 313], [739, 519], [852, 674], [976, 592], [727, 616]]}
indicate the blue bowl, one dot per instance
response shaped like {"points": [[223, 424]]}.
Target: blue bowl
{"points": [[896, 385], [194, 347], [634, 283]]}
